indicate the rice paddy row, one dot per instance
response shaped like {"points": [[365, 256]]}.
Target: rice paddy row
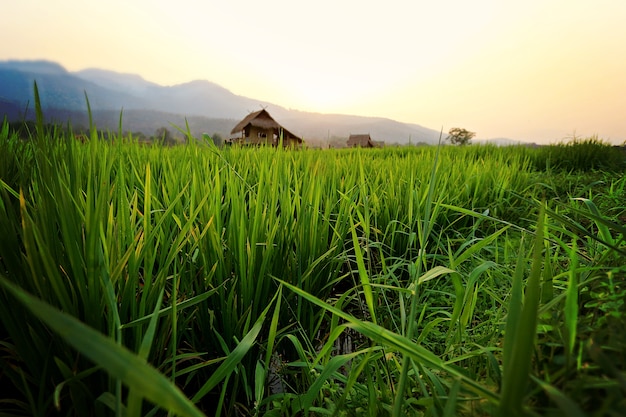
{"points": [[415, 281]]}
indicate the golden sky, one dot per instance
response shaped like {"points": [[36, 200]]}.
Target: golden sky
{"points": [[537, 70]]}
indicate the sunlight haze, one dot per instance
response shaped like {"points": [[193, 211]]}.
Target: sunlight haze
{"points": [[536, 71]]}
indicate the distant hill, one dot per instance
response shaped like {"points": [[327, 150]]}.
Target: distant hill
{"points": [[148, 106], [131, 83], [321, 126]]}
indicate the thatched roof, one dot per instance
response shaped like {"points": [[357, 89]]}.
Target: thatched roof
{"points": [[263, 120], [363, 141]]}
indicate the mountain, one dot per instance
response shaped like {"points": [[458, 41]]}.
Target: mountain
{"points": [[131, 83], [318, 125], [146, 106], [37, 66], [58, 89]]}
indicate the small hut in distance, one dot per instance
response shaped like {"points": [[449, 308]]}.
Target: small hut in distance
{"points": [[259, 128], [362, 141]]}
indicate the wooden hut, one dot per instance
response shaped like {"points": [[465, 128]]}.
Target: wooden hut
{"points": [[361, 141], [259, 128]]}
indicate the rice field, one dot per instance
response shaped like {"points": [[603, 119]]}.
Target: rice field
{"points": [[427, 281]]}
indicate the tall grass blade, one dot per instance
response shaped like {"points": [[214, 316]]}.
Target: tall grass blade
{"points": [[116, 360], [516, 302], [434, 273], [116, 332], [330, 368], [601, 223], [516, 374], [365, 281], [450, 408], [168, 310], [424, 233], [134, 396], [39, 126], [565, 404], [93, 133], [571, 301], [235, 357], [404, 345]]}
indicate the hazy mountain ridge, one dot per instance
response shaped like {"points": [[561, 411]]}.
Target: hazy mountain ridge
{"points": [[58, 89], [132, 83], [148, 106]]}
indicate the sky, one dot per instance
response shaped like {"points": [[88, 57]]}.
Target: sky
{"points": [[535, 70]]}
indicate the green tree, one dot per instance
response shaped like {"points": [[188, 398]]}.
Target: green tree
{"points": [[460, 136], [217, 139], [164, 136]]}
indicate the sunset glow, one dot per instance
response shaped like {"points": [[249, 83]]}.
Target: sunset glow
{"points": [[534, 71]]}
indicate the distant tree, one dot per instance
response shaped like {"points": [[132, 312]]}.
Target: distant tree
{"points": [[164, 136], [139, 136], [459, 136], [217, 139]]}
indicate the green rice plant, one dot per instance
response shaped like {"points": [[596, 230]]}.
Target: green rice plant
{"points": [[423, 234], [594, 255], [571, 303], [398, 343], [119, 362], [579, 154], [521, 328], [572, 269], [398, 262]]}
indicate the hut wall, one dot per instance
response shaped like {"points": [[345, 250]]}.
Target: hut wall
{"points": [[254, 136]]}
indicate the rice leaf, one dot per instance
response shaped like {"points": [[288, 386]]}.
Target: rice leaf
{"points": [[118, 361], [516, 373], [565, 404], [385, 337], [234, 357], [434, 273], [571, 301], [365, 281]]}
